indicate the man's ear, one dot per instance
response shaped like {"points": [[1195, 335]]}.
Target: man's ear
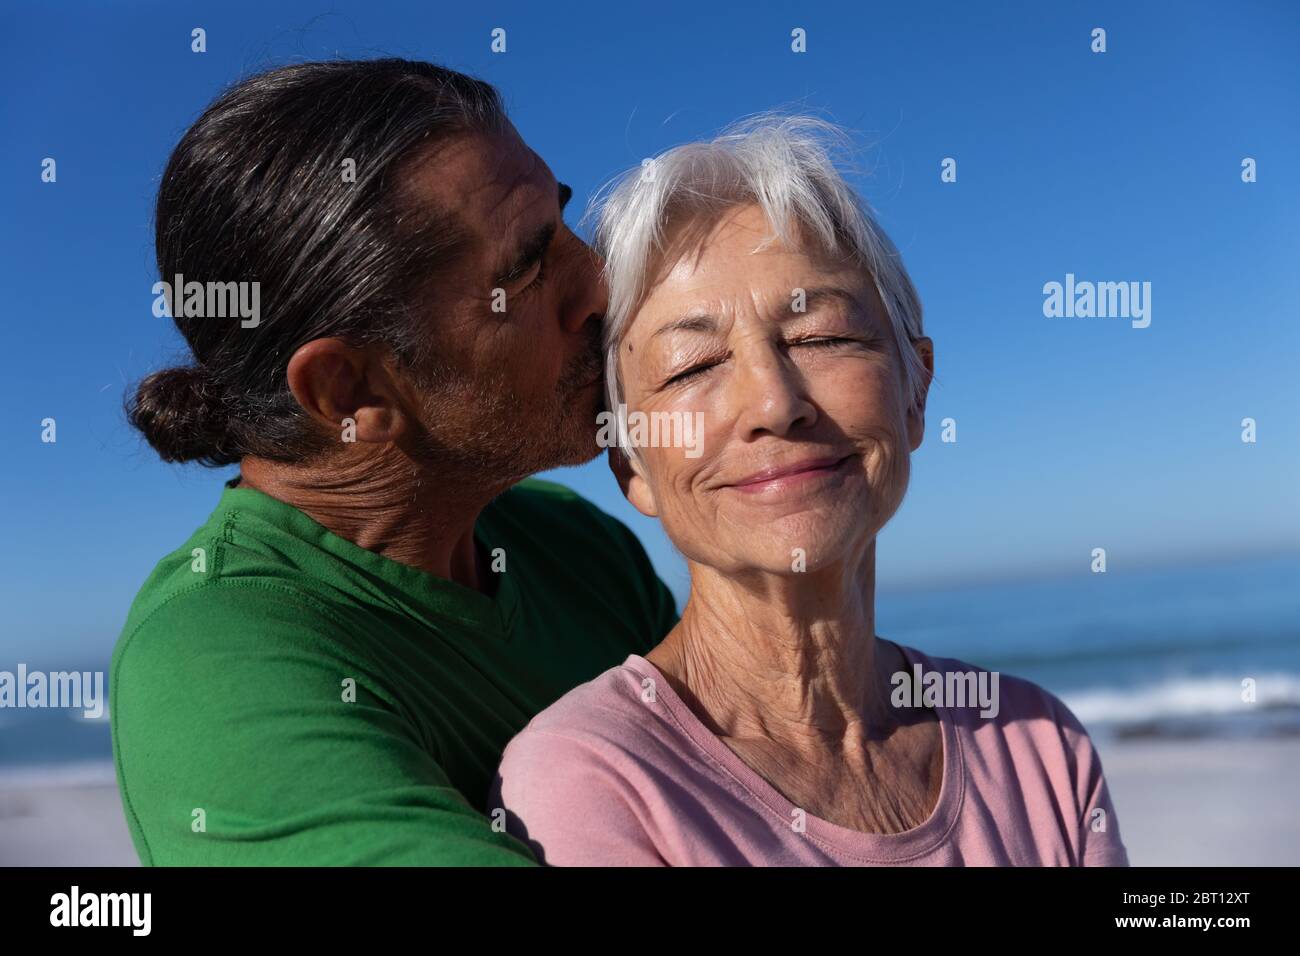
{"points": [[924, 347], [635, 488], [341, 386]]}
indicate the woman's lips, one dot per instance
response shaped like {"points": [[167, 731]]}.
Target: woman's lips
{"points": [[789, 476]]}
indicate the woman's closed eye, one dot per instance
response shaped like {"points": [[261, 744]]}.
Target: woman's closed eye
{"points": [[824, 341], [819, 342], [689, 373]]}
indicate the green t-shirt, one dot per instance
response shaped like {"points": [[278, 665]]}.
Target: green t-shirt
{"points": [[280, 695]]}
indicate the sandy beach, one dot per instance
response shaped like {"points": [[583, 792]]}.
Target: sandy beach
{"points": [[1206, 802], [1180, 803], [65, 817]]}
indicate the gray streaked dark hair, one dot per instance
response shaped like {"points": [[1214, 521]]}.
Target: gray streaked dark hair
{"points": [[255, 191]]}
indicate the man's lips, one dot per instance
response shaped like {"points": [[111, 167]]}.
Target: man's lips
{"points": [[790, 474], [591, 374], [582, 382]]}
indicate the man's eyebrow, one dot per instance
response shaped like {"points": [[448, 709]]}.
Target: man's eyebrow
{"points": [[535, 246]]}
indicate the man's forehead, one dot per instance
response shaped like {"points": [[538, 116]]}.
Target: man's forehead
{"points": [[482, 176]]}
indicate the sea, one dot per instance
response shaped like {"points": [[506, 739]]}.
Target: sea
{"points": [[1210, 650], [1189, 652]]}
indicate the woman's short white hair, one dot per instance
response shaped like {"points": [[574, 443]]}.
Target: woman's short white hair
{"points": [[782, 162]]}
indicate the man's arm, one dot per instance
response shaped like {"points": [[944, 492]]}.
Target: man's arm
{"points": [[238, 742]]}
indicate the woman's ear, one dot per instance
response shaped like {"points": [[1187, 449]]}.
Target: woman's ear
{"points": [[924, 347], [635, 488]]}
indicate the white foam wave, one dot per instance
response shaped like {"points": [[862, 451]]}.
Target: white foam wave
{"points": [[1207, 696]]}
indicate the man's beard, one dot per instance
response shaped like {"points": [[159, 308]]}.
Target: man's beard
{"points": [[483, 430]]}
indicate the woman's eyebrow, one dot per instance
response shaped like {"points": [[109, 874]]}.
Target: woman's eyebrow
{"points": [[822, 295], [707, 322], [695, 322]]}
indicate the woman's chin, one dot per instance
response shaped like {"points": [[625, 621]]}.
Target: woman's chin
{"points": [[803, 522], [801, 546]]}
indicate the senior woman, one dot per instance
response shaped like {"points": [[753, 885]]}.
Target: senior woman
{"points": [[772, 725]]}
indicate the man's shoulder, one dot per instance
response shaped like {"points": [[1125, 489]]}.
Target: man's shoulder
{"points": [[224, 592], [175, 620], [562, 521], [188, 568], [577, 548], [538, 499], [230, 548]]}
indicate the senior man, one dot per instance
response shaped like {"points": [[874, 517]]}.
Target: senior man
{"points": [[327, 671]]}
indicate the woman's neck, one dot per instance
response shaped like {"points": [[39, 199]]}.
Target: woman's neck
{"points": [[790, 658]]}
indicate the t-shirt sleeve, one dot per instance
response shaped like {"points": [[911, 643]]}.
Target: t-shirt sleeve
{"points": [[1099, 836], [244, 735], [568, 806]]}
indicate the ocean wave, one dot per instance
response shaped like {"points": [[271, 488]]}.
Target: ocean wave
{"points": [[1208, 696]]}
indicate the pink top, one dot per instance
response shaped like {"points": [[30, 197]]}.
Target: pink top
{"points": [[612, 774]]}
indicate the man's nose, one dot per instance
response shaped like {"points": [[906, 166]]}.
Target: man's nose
{"points": [[588, 294]]}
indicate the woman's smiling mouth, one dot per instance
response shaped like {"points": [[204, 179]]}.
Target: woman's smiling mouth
{"points": [[799, 475]]}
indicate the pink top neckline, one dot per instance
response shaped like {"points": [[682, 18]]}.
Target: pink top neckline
{"points": [[869, 847]]}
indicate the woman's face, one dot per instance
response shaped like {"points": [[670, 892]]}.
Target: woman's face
{"points": [[806, 436]]}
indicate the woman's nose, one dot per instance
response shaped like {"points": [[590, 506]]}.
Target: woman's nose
{"points": [[770, 395]]}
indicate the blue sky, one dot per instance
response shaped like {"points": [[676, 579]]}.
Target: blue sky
{"points": [[1072, 433]]}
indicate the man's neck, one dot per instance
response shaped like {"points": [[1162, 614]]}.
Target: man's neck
{"points": [[387, 504]]}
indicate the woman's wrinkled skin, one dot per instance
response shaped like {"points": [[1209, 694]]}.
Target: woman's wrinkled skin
{"points": [[806, 446]]}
